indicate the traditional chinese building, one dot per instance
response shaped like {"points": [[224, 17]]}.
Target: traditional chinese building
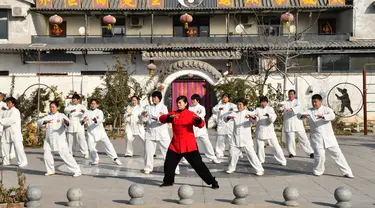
{"points": [[69, 43]]}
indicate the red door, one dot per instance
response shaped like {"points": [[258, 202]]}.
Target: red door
{"points": [[188, 88]]}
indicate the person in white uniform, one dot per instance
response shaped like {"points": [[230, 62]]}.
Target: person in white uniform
{"points": [[76, 131], [293, 126], [12, 134], [323, 137], [242, 139], [134, 126], [223, 129], [3, 107], [201, 133], [156, 132], [265, 116], [96, 133], [55, 141]]}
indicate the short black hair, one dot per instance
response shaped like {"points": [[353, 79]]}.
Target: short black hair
{"points": [[157, 94], [76, 96], [242, 100], [55, 102], [263, 99], [96, 101], [226, 95], [196, 97], [134, 96], [317, 97], [293, 91], [2, 94], [12, 100]]}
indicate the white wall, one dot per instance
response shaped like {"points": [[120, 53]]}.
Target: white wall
{"points": [[364, 19]]}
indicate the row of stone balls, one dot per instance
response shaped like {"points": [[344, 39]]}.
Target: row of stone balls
{"points": [[185, 193]]}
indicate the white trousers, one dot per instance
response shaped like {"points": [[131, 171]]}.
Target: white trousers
{"points": [[129, 143], [77, 138], [276, 150], [108, 148], [65, 155], [221, 141], [208, 150], [235, 152], [337, 156], [303, 140], [19, 151], [150, 149], [12, 153]]}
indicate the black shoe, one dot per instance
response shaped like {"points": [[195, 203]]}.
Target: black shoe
{"points": [[154, 155], [291, 156], [312, 155], [215, 185], [128, 156], [165, 185]]}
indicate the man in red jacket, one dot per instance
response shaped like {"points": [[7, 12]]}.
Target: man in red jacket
{"points": [[184, 144]]}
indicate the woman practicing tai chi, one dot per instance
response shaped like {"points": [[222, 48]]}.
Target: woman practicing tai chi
{"points": [[184, 144]]}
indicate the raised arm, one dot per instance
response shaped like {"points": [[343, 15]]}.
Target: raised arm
{"points": [[272, 115], [12, 119], [296, 108], [328, 114], [42, 121], [67, 110]]}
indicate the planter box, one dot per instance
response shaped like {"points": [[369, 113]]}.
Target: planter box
{"points": [[15, 205], [3, 205]]}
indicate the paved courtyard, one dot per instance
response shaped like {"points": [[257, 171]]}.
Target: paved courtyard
{"points": [[106, 185]]}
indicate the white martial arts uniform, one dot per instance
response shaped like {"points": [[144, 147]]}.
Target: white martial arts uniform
{"points": [[293, 126], [76, 131], [323, 138], [224, 129], [96, 133], [134, 127], [265, 132], [55, 141], [242, 140], [202, 134], [12, 153], [12, 136], [156, 134]]}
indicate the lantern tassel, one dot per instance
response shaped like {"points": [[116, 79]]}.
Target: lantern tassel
{"points": [[186, 25], [286, 24], [109, 27]]}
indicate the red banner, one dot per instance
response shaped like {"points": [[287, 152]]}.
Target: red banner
{"points": [[72, 3], [277, 3], [156, 4], [308, 2], [128, 4], [336, 2], [44, 4], [224, 3], [252, 3], [99, 4]]}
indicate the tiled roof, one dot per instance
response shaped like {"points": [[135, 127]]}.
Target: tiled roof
{"points": [[315, 45], [171, 55]]}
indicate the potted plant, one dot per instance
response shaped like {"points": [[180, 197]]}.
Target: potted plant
{"points": [[13, 197]]}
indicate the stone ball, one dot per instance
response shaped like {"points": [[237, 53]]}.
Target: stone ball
{"points": [[33, 193], [343, 194], [185, 192], [136, 191], [290, 194], [240, 191], [74, 194]]}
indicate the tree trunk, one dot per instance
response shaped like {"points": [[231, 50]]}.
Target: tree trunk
{"points": [[120, 124], [114, 123]]}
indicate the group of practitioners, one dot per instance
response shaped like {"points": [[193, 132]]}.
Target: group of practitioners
{"points": [[149, 123]]}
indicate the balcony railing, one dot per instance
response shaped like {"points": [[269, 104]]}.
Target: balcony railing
{"points": [[213, 38]]}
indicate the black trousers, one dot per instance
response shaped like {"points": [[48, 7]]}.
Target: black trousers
{"points": [[195, 160]]}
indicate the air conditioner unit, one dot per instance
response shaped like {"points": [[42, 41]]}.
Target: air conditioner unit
{"points": [[19, 12], [136, 21], [246, 20]]}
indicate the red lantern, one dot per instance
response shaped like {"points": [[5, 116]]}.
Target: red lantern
{"points": [[151, 67], [287, 18], [55, 19], [109, 20], [186, 19]]}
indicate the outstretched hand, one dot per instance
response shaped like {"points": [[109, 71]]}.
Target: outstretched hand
{"points": [[305, 116]]}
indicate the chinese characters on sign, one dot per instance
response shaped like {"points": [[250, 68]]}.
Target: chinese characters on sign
{"points": [[336, 2], [43, 3], [156, 4], [128, 4], [72, 3], [277, 3], [99, 4], [252, 3], [308, 2], [224, 3]]}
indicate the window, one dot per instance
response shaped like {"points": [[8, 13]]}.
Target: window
{"points": [[4, 24], [358, 62], [57, 30], [250, 64], [304, 64], [335, 63], [199, 27], [118, 29], [327, 26], [270, 26]]}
